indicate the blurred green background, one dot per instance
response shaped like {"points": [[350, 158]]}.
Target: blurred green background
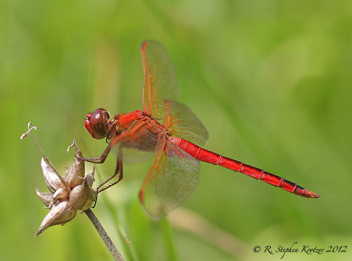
{"points": [[270, 80]]}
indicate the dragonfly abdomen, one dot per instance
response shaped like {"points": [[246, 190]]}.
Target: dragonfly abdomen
{"points": [[216, 159]]}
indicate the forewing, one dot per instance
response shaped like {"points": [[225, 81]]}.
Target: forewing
{"points": [[129, 142], [160, 87], [183, 123], [171, 179]]}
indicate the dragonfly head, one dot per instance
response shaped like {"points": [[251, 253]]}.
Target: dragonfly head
{"points": [[97, 123]]}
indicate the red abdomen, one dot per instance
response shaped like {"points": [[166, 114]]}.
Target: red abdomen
{"points": [[216, 159]]}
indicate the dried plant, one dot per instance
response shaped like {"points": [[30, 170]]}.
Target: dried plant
{"points": [[69, 194]]}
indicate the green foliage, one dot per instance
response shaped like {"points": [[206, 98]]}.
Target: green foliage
{"points": [[270, 80]]}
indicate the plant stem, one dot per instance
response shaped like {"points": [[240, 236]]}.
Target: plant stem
{"points": [[104, 236]]}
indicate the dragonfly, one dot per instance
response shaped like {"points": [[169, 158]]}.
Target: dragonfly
{"points": [[172, 134]]}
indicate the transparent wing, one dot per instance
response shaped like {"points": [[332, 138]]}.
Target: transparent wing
{"points": [[183, 123], [172, 177], [137, 145], [160, 89], [132, 155]]}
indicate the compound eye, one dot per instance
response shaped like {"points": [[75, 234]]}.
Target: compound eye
{"points": [[97, 123], [97, 117]]}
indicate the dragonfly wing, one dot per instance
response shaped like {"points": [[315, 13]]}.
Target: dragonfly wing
{"points": [[133, 155], [160, 89], [171, 179], [183, 123], [131, 144]]}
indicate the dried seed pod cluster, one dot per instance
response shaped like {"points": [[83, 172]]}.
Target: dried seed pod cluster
{"points": [[67, 194]]}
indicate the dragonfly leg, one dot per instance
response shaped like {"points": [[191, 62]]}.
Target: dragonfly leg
{"points": [[117, 139], [98, 160], [118, 171]]}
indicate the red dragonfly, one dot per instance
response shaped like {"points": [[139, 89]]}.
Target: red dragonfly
{"points": [[173, 133]]}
